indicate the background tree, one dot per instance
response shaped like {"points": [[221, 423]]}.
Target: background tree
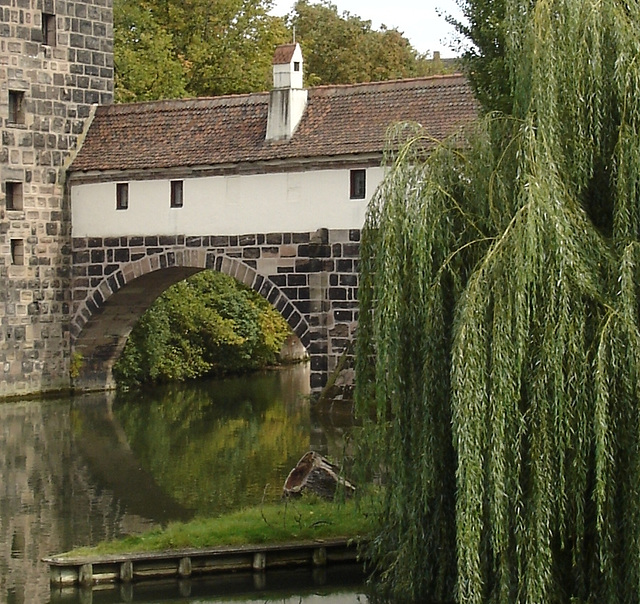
{"points": [[208, 325], [147, 65], [344, 49], [172, 49], [229, 44], [486, 25], [499, 339]]}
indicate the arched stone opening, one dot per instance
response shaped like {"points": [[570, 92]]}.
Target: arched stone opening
{"points": [[108, 313]]}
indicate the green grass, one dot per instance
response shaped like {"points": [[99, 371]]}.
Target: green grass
{"points": [[293, 520]]}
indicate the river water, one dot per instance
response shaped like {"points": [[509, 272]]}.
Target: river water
{"points": [[77, 471]]}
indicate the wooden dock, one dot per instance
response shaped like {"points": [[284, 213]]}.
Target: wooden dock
{"points": [[185, 563]]}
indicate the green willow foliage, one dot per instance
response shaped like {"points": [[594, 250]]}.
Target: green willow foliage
{"points": [[499, 340]]}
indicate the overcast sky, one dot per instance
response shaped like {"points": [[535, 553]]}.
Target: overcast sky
{"points": [[422, 21]]}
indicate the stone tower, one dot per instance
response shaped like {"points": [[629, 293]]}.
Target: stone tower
{"points": [[56, 63]]}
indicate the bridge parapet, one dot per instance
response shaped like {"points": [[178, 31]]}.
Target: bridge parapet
{"points": [[311, 278]]}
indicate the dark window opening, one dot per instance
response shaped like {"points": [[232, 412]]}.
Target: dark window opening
{"points": [[13, 193], [296, 66], [177, 198], [122, 195], [358, 186], [48, 29], [17, 252], [16, 107]]}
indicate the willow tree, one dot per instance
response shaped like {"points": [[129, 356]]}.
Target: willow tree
{"points": [[499, 339]]}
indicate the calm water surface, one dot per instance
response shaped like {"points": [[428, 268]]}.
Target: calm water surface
{"points": [[80, 470]]}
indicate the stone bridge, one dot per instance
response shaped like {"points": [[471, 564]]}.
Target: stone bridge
{"points": [[309, 277]]}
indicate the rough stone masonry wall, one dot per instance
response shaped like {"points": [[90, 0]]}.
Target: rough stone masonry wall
{"points": [[311, 278], [57, 84]]}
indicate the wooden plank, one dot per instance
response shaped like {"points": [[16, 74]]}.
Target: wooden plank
{"points": [[126, 568]]}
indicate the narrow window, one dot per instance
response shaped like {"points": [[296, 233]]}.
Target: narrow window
{"points": [[13, 193], [296, 66], [16, 106], [122, 196], [17, 252], [48, 29], [358, 184], [177, 198]]}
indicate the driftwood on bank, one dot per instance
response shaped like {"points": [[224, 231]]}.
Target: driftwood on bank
{"points": [[316, 474]]}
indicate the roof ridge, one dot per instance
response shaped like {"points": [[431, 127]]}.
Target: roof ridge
{"points": [[179, 104], [443, 76], [168, 105]]}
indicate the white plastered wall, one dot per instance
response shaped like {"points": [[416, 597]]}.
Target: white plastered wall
{"points": [[224, 205]]}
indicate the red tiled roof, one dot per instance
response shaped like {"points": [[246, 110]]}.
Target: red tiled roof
{"points": [[283, 54], [338, 120]]}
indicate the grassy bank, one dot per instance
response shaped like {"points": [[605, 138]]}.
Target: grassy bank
{"points": [[294, 520]]}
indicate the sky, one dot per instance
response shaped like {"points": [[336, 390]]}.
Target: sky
{"points": [[421, 21]]}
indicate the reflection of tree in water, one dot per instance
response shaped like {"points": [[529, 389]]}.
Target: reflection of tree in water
{"points": [[213, 446], [331, 434]]}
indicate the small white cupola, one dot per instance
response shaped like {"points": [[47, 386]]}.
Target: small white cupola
{"points": [[287, 99]]}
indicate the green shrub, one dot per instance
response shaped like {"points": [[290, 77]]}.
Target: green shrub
{"points": [[208, 325]]}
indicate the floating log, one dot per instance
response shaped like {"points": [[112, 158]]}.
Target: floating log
{"points": [[316, 474]]}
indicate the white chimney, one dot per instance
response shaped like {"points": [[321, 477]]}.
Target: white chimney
{"points": [[287, 99]]}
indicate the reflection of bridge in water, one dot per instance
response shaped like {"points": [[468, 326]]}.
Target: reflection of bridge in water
{"points": [[103, 445], [78, 471]]}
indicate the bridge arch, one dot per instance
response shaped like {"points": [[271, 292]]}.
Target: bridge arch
{"points": [[311, 278], [105, 316]]}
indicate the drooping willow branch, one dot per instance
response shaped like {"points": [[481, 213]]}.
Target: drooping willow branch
{"points": [[497, 374]]}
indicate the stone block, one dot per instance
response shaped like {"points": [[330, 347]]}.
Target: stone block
{"points": [[319, 363], [300, 238], [351, 250], [76, 40], [274, 238], [84, 27], [245, 240], [343, 316], [219, 241], [337, 293], [350, 280], [270, 252], [312, 265], [288, 251], [81, 257], [338, 236]]}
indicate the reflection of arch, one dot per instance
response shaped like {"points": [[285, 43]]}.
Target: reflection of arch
{"points": [[103, 446], [105, 318]]}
